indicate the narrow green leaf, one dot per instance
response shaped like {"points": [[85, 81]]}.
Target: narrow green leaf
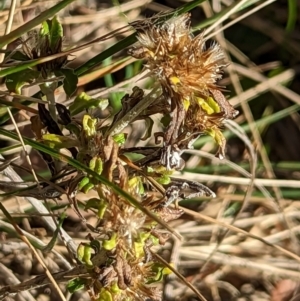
{"points": [[45, 30], [52, 242], [56, 34], [222, 13], [292, 15], [48, 13], [115, 98], [121, 45]]}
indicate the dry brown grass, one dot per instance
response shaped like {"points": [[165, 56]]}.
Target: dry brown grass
{"points": [[242, 245]]}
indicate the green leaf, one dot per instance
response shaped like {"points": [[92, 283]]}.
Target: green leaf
{"points": [[102, 208], [164, 180], [14, 82], [83, 182], [120, 138], [75, 285], [98, 166], [89, 125], [92, 203], [95, 203], [111, 243], [135, 183], [70, 80], [105, 295], [58, 142], [45, 29], [213, 104], [52, 242], [209, 105], [84, 253], [115, 98], [159, 270], [86, 188], [13, 35], [87, 255], [56, 34], [83, 102], [292, 15]]}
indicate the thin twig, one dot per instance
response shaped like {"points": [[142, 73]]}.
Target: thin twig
{"points": [[234, 261], [237, 19], [41, 280], [239, 180], [35, 241], [38, 205], [201, 216]]}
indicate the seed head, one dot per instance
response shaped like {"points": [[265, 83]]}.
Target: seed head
{"points": [[188, 72], [181, 62]]}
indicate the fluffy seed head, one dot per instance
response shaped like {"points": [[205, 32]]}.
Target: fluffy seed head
{"points": [[181, 62]]}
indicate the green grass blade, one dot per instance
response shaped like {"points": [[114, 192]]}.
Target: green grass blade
{"points": [[292, 17], [4, 40], [98, 59], [222, 13]]}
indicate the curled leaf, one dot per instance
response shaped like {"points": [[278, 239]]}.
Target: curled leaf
{"points": [[149, 127], [220, 140], [89, 125], [111, 243]]}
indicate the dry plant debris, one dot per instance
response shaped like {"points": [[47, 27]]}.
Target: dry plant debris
{"points": [[118, 259], [125, 198]]}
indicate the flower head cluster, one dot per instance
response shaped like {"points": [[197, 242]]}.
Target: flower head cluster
{"points": [[188, 73], [119, 260], [181, 62]]}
